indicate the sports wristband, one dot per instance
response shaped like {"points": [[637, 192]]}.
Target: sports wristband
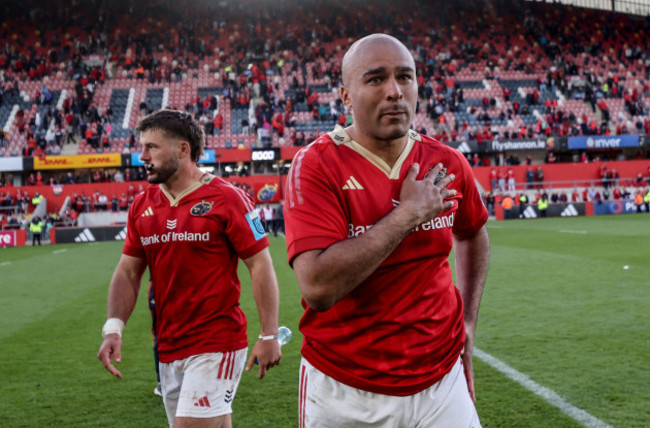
{"points": [[113, 325], [269, 337]]}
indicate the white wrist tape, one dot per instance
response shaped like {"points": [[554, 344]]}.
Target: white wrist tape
{"points": [[269, 337], [113, 325]]}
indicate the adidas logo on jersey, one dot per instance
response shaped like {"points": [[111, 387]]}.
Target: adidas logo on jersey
{"points": [[148, 212], [352, 184], [569, 211], [85, 236]]}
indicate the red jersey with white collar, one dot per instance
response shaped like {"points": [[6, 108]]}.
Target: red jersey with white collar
{"points": [[402, 329], [192, 244]]}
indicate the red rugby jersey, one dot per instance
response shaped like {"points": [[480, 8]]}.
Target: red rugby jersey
{"points": [[192, 245], [402, 329]]}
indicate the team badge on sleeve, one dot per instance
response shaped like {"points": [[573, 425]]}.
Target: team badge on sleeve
{"points": [[256, 225], [202, 208]]}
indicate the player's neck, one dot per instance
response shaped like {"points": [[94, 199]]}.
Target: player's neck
{"points": [[388, 150], [186, 176]]}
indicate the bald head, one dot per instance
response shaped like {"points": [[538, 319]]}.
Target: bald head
{"points": [[354, 56], [380, 89]]}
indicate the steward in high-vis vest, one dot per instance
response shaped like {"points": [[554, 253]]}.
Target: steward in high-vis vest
{"points": [[36, 227], [523, 201], [646, 200], [37, 199], [542, 205]]}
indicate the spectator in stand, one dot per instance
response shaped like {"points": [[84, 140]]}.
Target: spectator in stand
{"points": [[493, 180], [639, 180], [115, 204], [511, 180], [530, 178], [539, 177], [502, 180], [131, 142], [102, 201], [124, 202], [217, 123]]}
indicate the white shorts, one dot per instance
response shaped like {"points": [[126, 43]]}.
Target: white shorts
{"points": [[325, 403], [201, 386]]}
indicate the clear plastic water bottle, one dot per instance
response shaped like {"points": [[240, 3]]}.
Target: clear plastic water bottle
{"points": [[284, 337]]}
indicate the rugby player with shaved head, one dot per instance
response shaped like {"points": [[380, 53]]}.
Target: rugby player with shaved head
{"points": [[372, 213]]}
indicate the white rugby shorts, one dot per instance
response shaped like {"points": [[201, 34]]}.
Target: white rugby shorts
{"points": [[325, 403], [201, 386]]}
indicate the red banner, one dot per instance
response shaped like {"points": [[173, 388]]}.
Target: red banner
{"points": [[12, 238], [7, 238]]}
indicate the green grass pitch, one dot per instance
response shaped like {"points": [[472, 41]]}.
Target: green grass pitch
{"points": [[559, 306]]}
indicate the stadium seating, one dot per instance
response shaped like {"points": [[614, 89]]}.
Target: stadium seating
{"points": [[519, 46]]}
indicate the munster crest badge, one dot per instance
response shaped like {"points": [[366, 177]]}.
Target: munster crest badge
{"points": [[442, 174], [202, 208]]}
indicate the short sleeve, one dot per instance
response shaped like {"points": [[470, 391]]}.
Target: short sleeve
{"points": [[132, 244], [471, 214], [314, 211], [242, 224]]}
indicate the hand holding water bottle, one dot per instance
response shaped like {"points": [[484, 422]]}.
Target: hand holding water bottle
{"points": [[266, 351]]}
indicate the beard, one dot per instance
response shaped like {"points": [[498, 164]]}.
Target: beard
{"points": [[389, 129], [391, 133], [162, 173], [396, 134]]}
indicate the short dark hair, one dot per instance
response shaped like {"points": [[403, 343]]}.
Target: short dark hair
{"points": [[176, 124]]}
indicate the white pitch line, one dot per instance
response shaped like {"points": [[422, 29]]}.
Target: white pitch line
{"points": [[62, 250], [5, 263], [550, 396], [581, 232]]}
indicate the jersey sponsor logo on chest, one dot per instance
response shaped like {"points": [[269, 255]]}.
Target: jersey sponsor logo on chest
{"points": [[174, 237], [435, 223]]}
